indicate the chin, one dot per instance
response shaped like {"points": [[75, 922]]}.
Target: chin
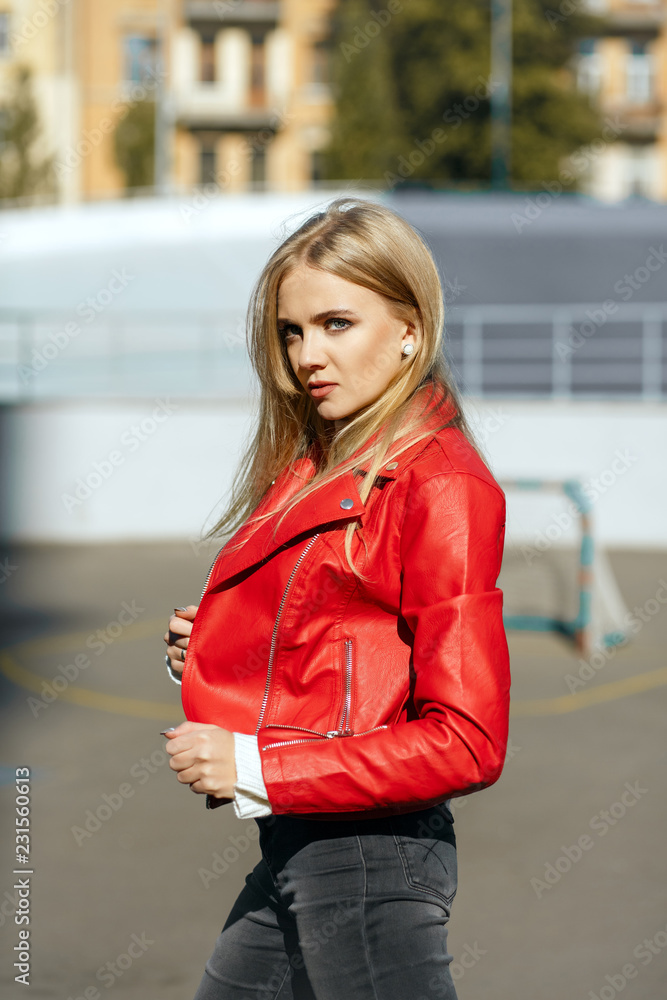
{"points": [[329, 412]]}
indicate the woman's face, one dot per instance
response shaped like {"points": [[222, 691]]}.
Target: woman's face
{"points": [[342, 334]]}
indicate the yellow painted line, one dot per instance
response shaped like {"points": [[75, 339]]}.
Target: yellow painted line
{"points": [[82, 696], [158, 710], [582, 699]]}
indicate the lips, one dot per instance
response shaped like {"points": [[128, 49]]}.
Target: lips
{"points": [[321, 390]]}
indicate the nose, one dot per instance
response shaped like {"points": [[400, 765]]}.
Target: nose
{"points": [[311, 354]]}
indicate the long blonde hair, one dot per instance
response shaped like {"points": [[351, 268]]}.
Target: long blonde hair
{"points": [[369, 245]]}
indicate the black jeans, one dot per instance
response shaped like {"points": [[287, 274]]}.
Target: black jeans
{"points": [[342, 910]]}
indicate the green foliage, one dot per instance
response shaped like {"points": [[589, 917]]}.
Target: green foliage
{"points": [[134, 144], [413, 91], [22, 172]]}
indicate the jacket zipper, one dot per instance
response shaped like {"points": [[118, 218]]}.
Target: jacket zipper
{"points": [[344, 724], [275, 631], [314, 739], [210, 573]]}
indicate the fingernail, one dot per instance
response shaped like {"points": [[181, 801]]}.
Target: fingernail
{"points": [[165, 731], [180, 609]]}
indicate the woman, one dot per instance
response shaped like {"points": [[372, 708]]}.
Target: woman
{"points": [[347, 673]]}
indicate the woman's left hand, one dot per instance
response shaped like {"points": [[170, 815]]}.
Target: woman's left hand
{"points": [[203, 756]]}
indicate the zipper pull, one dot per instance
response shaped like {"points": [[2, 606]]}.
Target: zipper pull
{"points": [[332, 732]]}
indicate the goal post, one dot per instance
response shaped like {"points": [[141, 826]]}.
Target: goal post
{"points": [[554, 587]]}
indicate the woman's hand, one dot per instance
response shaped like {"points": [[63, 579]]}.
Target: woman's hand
{"points": [[178, 636], [203, 756]]}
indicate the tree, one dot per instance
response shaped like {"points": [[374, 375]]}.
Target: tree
{"points": [[22, 172], [134, 144], [368, 130], [413, 89]]}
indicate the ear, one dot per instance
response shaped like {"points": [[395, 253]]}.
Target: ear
{"points": [[411, 335]]}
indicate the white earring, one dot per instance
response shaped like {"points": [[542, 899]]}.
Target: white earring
{"points": [[408, 349]]}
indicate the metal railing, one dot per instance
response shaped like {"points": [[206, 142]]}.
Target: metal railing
{"points": [[560, 351], [576, 351]]}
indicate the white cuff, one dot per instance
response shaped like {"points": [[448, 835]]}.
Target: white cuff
{"points": [[172, 673], [250, 798]]}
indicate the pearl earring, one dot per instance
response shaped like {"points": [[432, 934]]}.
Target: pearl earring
{"points": [[408, 349]]}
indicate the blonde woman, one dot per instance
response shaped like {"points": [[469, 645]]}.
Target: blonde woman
{"points": [[346, 672]]}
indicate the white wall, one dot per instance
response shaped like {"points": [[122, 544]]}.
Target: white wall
{"points": [[147, 469]]}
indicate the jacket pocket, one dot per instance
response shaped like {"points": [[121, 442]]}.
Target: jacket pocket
{"points": [[344, 725]]}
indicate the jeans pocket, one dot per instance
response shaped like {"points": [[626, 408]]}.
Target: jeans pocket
{"points": [[428, 859]]}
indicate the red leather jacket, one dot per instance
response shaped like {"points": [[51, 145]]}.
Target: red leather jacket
{"points": [[374, 697]]}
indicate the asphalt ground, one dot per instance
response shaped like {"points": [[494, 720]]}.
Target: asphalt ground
{"points": [[561, 862]]}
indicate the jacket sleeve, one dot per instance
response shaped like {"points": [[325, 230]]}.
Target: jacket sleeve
{"points": [[451, 547]]}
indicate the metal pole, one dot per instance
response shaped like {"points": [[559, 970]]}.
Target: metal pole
{"points": [[160, 146], [501, 93]]}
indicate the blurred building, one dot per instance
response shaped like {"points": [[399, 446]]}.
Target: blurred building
{"points": [[243, 95], [625, 71], [249, 93], [241, 87]]}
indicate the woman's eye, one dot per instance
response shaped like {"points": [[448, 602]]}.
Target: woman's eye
{"points": [[287, 331], [345, 323]]}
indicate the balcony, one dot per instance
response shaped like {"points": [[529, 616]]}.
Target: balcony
{"points": [[643, 124], [232, 13], [646, 19], [208, 106]]}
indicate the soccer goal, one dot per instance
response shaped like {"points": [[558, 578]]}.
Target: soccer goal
{"points": [[557, 578]]}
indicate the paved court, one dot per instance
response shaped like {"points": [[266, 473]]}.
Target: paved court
{"points": [[561, 863]]}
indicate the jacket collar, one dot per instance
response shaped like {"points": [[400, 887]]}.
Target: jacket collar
{"points": [[336, 501]]}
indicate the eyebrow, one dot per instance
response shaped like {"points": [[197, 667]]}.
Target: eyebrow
{"points": [[322, 316]]}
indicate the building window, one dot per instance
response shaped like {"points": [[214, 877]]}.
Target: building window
{"points": [[257, 68], [4, 34], [317, 166], [589, 67], [140, 58], [639, 73], [638, 169], [207, 164], [258, 167], [321, 63], [207, 60]]}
